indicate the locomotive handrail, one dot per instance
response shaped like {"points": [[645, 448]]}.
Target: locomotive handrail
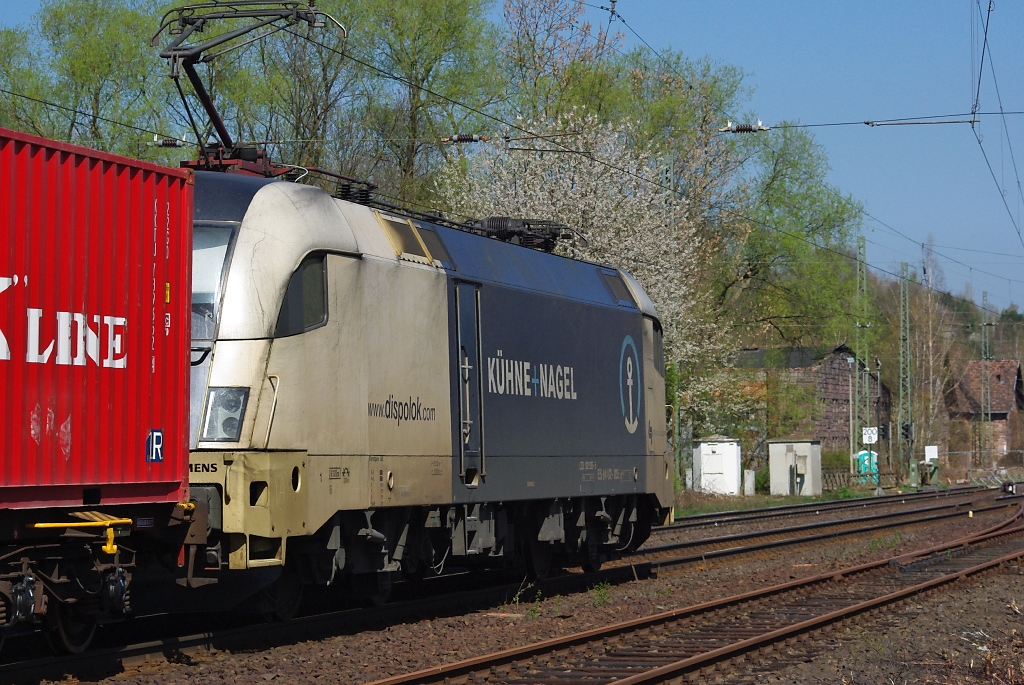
{"points": [[273, 406], [205, 353]]}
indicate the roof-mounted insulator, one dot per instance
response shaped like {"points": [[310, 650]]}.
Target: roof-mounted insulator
{"points": [[353, 192], [465, 138]]}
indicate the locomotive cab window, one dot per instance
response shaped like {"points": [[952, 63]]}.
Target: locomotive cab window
{"points": [[620, 293], [305, 302], [211, 251], [405, 239]]}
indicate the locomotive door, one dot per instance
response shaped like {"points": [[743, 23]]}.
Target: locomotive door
{"points": [[471, 442]]}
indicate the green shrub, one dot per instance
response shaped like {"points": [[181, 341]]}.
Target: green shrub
{"points": [[762, 481], [601, 593], [835, 459]]}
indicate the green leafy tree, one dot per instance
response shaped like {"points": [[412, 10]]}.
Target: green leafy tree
{"points": [[789, 277], [1011, 314], [555, 60], [442, 53], [96, 61], [19, 74], [298, 94]]}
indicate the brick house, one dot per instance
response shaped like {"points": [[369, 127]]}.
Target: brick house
{"points": [[829, 371], [964, 404]]}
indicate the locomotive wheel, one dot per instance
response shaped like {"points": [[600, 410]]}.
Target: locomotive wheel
{"points": [[372, 589], [284, 597], [591, 559], [541, 556], [67, 630]]}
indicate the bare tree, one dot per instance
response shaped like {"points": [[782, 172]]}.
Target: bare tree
{"points": [[939, 354]]}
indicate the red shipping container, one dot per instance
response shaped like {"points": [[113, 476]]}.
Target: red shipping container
{"points": [[95, 261]]}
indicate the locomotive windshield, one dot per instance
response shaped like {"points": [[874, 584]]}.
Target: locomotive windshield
{"points": [[211, 243]]}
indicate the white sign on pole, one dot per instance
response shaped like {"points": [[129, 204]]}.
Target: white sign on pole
{"points": [[931, 453], [870, 435]]}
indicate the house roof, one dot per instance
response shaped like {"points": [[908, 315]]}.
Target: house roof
{"points": [[786, 357], [715, 438], [1006, 388]]}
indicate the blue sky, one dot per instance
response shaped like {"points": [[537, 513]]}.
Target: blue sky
{"points": [[822, 62]]}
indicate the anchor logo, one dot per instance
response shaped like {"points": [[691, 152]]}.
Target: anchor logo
{"points": [[629, 384]]}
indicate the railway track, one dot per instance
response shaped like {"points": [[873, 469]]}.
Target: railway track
{"points": [[179, 647], [724, 544], [816, 508], [675, 646]]}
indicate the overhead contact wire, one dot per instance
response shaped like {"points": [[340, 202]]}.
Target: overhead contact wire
{"points": [[513, 126]]}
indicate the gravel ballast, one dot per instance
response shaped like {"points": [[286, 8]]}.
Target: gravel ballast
{"points": [[940, 637]]}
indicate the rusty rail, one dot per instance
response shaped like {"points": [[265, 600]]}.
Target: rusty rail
{"points": [[614, 659], [815, 508], [175, 647]]}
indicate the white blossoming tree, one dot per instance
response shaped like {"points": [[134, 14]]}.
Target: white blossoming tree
{"points": [[607, 187]]}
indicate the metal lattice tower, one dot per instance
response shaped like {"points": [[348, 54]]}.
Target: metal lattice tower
{"points": [[985, 431], [905, 413], [862, 379]]}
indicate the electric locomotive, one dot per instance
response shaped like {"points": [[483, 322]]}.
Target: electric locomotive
{"points": [[375, 393]]}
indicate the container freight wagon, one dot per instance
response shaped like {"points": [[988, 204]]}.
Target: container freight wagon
{"points": [[95, 258]]}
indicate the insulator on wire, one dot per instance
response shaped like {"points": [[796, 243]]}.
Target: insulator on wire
{"points": [[744, 128], [166, 142], [465, 138]]}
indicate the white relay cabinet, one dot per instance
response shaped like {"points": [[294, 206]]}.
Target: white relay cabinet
{"points": [[716, 466], [795, 467]]}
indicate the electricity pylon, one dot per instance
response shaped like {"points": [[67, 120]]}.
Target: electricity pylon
{"points": [[986, 446], [904, 416]]}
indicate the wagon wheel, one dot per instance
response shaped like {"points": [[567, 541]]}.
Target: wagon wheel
{"points": [[68, 630]]}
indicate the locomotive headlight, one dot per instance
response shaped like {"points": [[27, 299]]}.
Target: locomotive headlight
{"points": [[225, 408]]}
